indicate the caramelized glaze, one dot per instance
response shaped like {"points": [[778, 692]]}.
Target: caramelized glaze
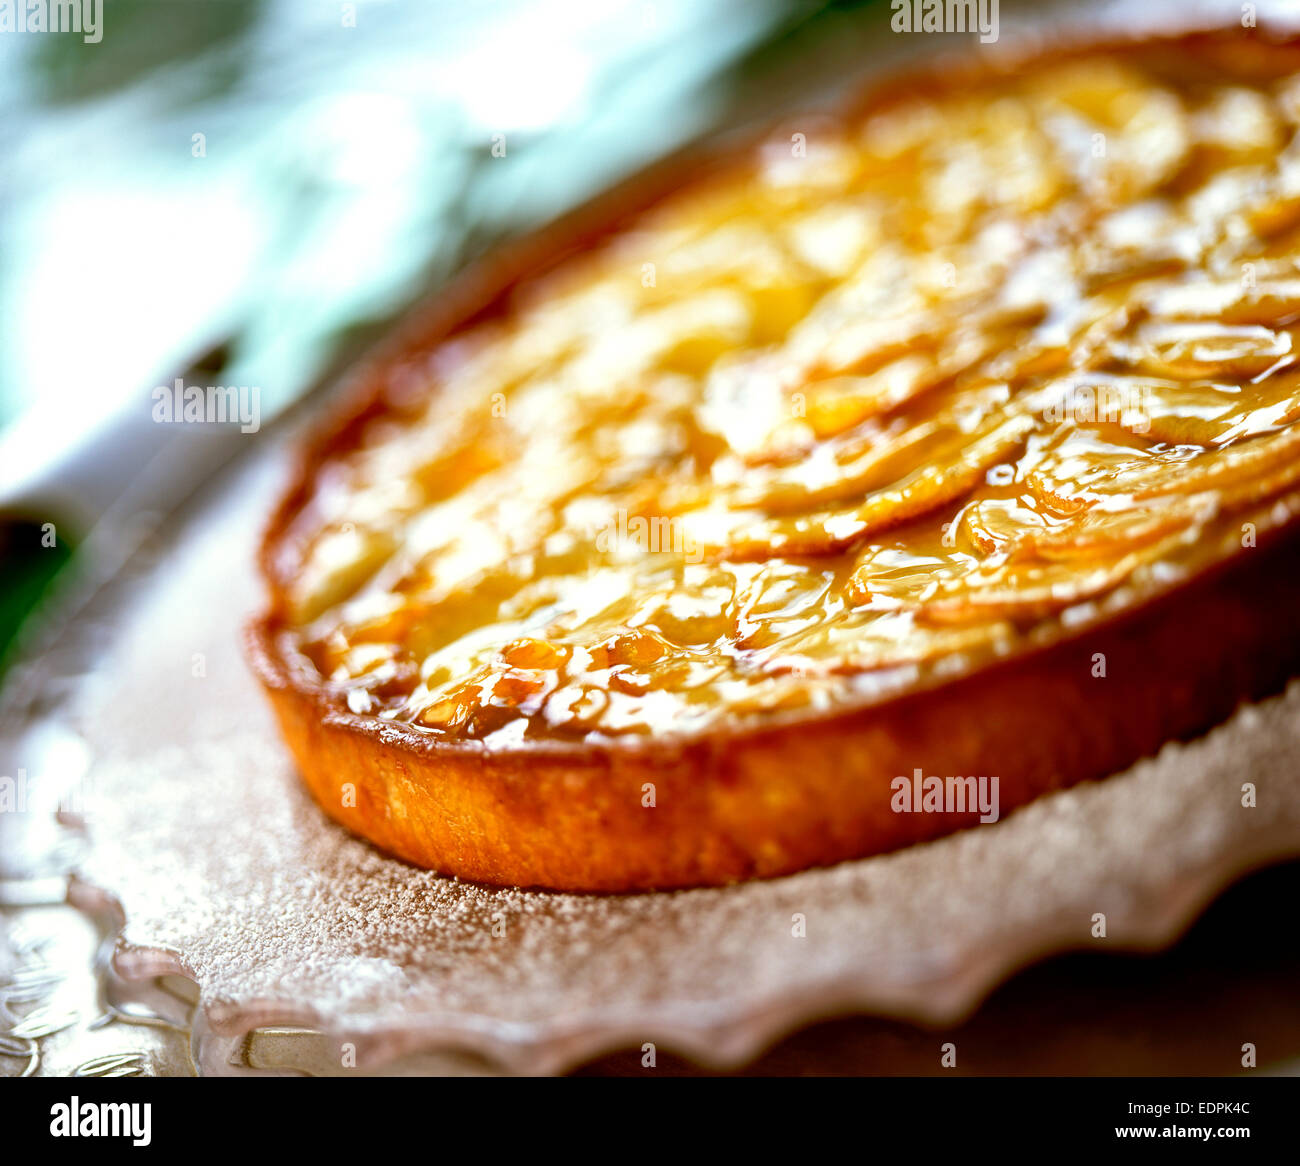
{"points": [[892, 397]]}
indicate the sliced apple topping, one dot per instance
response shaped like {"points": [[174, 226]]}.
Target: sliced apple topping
{"points": [[826, 532], [894, 395]]}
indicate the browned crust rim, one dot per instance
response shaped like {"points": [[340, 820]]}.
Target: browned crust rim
{"points": [[518, 780]]}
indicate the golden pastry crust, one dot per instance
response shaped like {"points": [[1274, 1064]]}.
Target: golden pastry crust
{"points": [[947, 620]]}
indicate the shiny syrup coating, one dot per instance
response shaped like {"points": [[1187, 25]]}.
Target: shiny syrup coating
{"points": [[885, 401]]}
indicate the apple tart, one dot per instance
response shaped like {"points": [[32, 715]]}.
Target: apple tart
{"points": [[951, 434]]}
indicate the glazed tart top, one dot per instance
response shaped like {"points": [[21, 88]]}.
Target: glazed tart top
{"points": [[890, 396]]}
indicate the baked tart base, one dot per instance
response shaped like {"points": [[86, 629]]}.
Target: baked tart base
{"points": [[1025, 511]]}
